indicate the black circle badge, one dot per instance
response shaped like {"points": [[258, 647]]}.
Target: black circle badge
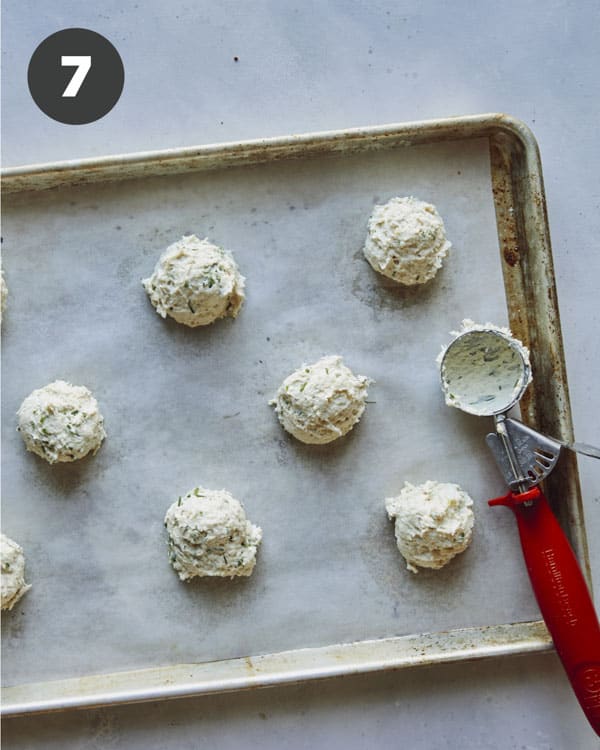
{"points": [[75, 76]]}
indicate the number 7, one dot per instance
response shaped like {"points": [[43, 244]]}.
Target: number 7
{"points": [[83, 63]]}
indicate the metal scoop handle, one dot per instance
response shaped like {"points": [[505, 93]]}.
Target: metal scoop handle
{"points": [[562, 595]]}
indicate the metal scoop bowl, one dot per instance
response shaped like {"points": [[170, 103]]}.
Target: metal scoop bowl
{"points": [[485, 372]]}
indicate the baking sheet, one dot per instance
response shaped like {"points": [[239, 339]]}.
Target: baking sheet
{"points": [[186, 407]]}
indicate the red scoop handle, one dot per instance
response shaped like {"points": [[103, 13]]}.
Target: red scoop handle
{"points": [[562, 595]]}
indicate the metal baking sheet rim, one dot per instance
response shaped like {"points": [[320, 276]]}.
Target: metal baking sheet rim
{"points": [[508, 138], [238, 153], [286, 667]]}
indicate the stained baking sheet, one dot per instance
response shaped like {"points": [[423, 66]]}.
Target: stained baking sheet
{"points": [[185, 407]]}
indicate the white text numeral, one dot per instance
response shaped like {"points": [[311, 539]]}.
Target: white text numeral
{"points": [[83, 63]]}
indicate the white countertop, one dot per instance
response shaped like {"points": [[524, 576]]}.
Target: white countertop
{"points": [[316, 66]]}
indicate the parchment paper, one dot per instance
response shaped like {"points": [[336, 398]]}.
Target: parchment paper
{"points": [[185, 407]]}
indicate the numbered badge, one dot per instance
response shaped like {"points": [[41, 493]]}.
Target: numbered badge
{"points": [[76, 76]]}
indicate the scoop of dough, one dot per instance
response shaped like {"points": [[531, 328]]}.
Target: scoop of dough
{"points": [[434, 523], [12, 576], [195, 283], [406, 240], [209, 535], [61, 422], [486, 373], [321, 402]]}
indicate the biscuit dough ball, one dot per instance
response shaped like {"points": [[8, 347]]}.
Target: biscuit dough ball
{"points": [[321, 402], [61, 422], [406, 240], [209, 535], [434, 523], [12, 575], [195, 283]]}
